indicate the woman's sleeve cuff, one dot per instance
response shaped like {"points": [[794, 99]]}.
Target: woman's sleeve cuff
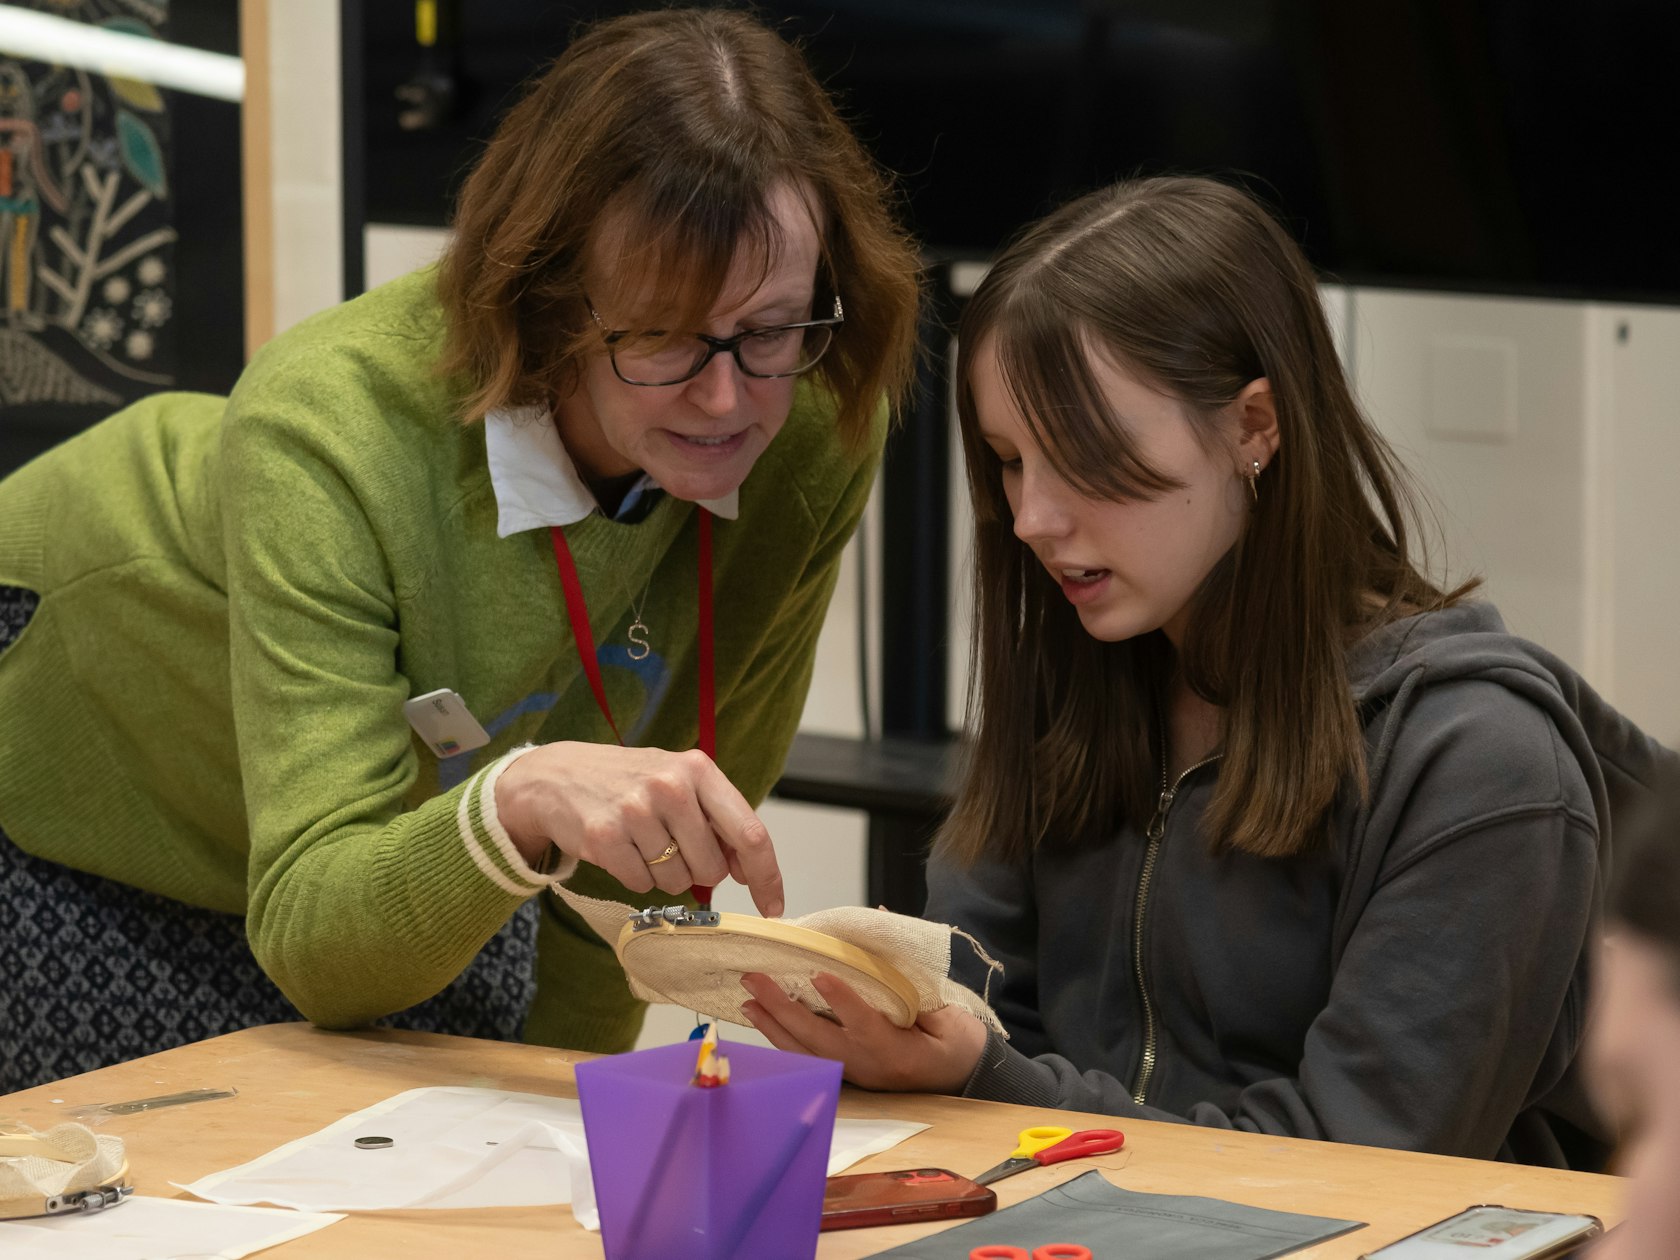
{"points": [[493, 849]]}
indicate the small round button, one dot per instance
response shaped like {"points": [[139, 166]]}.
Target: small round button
{"points": [[374, 1143]]}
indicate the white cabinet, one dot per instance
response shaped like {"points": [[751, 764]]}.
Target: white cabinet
{"points": [[1484, 400], [1633, 504], [1547, 434]]}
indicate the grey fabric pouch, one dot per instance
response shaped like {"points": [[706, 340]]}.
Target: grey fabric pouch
{"points": [[1115, 1222]]}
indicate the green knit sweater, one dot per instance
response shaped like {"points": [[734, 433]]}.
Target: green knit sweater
{"points": [[238, 596]]}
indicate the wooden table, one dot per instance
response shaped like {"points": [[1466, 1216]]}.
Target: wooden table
{"points": [[294, 1079]]}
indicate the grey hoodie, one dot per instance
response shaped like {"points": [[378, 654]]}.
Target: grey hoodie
{"points": [[1421, 983]]}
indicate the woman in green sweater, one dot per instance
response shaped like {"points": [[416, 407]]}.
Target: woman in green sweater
{"points": [[341, 665]]}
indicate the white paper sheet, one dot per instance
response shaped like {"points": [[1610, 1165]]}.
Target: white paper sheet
{"points": [[455, 1147], [142, 1228]]}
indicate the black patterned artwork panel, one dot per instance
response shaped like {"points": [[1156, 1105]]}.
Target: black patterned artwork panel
{"points": [[87, 225]]}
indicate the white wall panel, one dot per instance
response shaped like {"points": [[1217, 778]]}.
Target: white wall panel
{"points": [[835, 705], [1338, 312], [308, 257], [1484, 399], [390, 250], [1634, 490]]}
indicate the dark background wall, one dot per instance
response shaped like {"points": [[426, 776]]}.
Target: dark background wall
{"points": [[1518, 146]]}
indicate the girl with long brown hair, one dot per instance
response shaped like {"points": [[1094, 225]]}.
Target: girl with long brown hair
{"points": [[508, 572], [1266, 829]]}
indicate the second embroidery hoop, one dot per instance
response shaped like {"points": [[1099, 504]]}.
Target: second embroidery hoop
{"points": [[695, 959]]}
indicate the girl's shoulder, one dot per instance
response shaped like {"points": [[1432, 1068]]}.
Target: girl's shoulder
{"points": [[1467, 722]]}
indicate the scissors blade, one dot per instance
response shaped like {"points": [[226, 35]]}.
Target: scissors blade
{"points": [[1008, 1168]]}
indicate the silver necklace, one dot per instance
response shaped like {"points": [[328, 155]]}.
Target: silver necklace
{"points": [[640, 647]]}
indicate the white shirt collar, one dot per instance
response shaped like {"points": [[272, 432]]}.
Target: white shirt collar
{"points": [[535, 481]]}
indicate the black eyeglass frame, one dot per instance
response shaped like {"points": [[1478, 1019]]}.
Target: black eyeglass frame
{"points": [[721, 345]]}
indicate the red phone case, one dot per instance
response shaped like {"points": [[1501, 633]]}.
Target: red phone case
{"points": [[898, 1198]]}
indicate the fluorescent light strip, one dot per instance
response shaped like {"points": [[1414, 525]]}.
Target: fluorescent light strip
{"points": [[42, 37]]}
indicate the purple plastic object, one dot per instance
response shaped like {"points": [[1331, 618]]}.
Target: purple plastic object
{"points": [[709, 1174]]}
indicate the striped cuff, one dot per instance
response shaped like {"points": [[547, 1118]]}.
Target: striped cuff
{"points": [[488, 843]]}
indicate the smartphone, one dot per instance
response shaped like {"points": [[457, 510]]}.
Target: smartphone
{"points": [[1495, 1233], [897, 1198]]}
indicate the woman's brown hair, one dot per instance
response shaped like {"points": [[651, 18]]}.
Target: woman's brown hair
{"points": [[674, 127], [1192, 287]]}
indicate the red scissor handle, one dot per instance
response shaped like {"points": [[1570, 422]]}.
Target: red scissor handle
{"points": [[1081, 1144], [1050, 1251]]}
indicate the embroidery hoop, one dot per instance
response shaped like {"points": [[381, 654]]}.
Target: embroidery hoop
{"points": [[82, 1192], [695, 960]]}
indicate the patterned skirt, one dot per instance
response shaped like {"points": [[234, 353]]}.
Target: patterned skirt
{"points": [[94, 972]]}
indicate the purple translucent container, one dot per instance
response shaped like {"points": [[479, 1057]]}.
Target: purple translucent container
{"points": [[709, 1174]]}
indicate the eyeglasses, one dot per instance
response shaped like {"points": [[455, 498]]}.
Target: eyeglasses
{"points": [[661, 358]]}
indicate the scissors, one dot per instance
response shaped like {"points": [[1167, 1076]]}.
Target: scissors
{"points": [[1051, 1144], [1050, 1251]]}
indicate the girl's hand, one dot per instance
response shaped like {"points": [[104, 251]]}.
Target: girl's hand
{"points": [[622, 808], [935, 1055]]}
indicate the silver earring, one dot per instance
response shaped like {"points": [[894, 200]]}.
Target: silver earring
{"points": [[1253, 480]]}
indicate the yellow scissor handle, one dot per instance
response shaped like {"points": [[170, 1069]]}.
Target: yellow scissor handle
{"points": [[1038, 1138]]}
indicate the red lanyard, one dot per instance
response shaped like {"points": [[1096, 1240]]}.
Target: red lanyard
{"points": [[578, 611]]}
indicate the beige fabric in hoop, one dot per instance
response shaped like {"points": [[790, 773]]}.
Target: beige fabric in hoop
{"points": [[66, 1159], [897, 964]]}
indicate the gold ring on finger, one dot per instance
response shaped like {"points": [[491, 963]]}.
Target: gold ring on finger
{"points": [[670, 852]]}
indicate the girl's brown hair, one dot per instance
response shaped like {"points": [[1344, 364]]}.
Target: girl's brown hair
{"points": [[673, 128], [1192, 287]]}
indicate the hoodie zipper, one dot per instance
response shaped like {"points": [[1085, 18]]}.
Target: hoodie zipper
{"points": [[1157, 829]]}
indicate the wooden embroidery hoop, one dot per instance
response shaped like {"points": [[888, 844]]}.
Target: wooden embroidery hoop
{"points": [[73, 1200], [695, 960]]}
